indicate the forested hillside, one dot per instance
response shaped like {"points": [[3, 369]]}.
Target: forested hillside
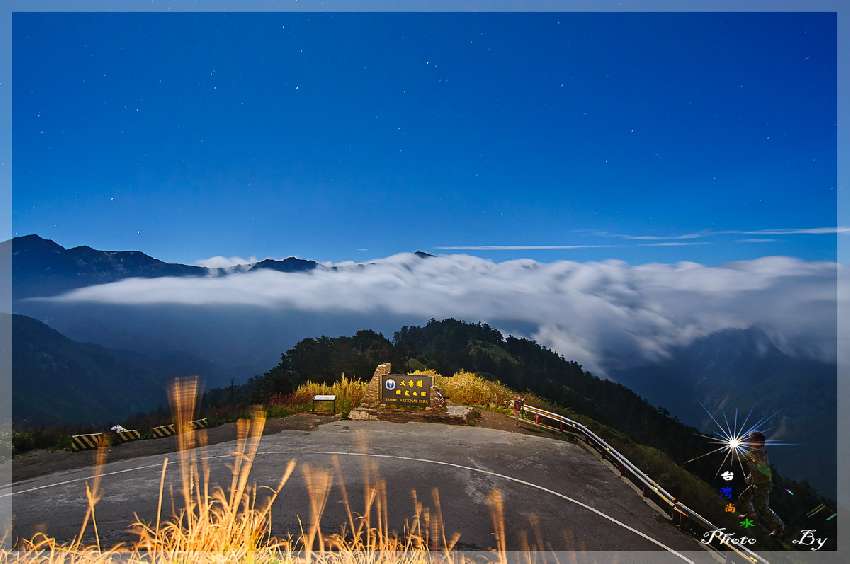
{"points": [[450, 345], [650, 435], [59, 381]]}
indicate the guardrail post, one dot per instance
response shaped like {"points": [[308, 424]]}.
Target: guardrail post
{"points": [[537, 419], [680, 518]]}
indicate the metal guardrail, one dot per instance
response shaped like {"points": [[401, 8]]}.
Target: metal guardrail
{"points": [[680, 513]]}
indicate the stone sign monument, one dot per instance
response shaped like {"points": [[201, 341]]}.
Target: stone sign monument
{"points": [[407, 390], [407, 397]]}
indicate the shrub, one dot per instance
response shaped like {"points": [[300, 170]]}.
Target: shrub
{"points": [[43, 438]]}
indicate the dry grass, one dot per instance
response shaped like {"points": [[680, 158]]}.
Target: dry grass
{"points": [[468, 388], [349, 393], [228, 524], [345, 389]]}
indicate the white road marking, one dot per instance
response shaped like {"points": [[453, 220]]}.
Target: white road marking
{"points": [[78, 480], [511, 479], [388, 456]]}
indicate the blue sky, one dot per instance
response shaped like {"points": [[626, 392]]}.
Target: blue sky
{"points": [[642, 137]]}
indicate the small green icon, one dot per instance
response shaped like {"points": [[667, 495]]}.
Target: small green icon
{"points": [[747, 523]]}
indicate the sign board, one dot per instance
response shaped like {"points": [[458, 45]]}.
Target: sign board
{"points": [[328, 400], [406, 390]]}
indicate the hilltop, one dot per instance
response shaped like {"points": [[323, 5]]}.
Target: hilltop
{"points": [[657, 442]]}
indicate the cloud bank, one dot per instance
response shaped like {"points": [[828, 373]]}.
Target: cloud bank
{"points": [[602, 314], [225, 263]]}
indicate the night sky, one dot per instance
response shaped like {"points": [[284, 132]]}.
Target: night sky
{"points": [[641, 137]]}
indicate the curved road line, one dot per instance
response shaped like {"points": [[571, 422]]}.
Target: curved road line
{"points": [[388, 456]]}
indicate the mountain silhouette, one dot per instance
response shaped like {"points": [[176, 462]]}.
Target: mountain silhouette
{"points": [[57, 380], [290, 264], [41, 267]]}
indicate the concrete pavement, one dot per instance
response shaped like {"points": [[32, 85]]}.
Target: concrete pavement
{"points": [[578, 501]]}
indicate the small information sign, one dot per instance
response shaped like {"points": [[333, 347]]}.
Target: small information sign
{"points": [[327, 400], [407, 390]]}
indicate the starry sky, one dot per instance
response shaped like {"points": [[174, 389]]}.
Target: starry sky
{"points": [[640, 137]]}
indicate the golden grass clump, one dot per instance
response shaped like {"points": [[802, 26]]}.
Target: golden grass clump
{"points": [[349, 393], [232, 523], [468, 388]]}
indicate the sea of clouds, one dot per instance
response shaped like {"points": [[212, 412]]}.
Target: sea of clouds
{"points": [[601, 314]]}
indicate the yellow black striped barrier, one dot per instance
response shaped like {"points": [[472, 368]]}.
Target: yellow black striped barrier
{"points": [[88, 441], [163, 431], [168, 430], [128, 435]]}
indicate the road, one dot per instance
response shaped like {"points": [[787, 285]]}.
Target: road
{"points": [[579, 502]]}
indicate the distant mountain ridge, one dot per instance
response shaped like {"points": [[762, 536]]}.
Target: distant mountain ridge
{"points": [[290, 264], [237, 341], [42, 267]]}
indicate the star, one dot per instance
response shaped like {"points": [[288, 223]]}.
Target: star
{"points": [[747, 523]]}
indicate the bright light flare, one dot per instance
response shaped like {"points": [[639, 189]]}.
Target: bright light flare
{"points": [[731, 438]]}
